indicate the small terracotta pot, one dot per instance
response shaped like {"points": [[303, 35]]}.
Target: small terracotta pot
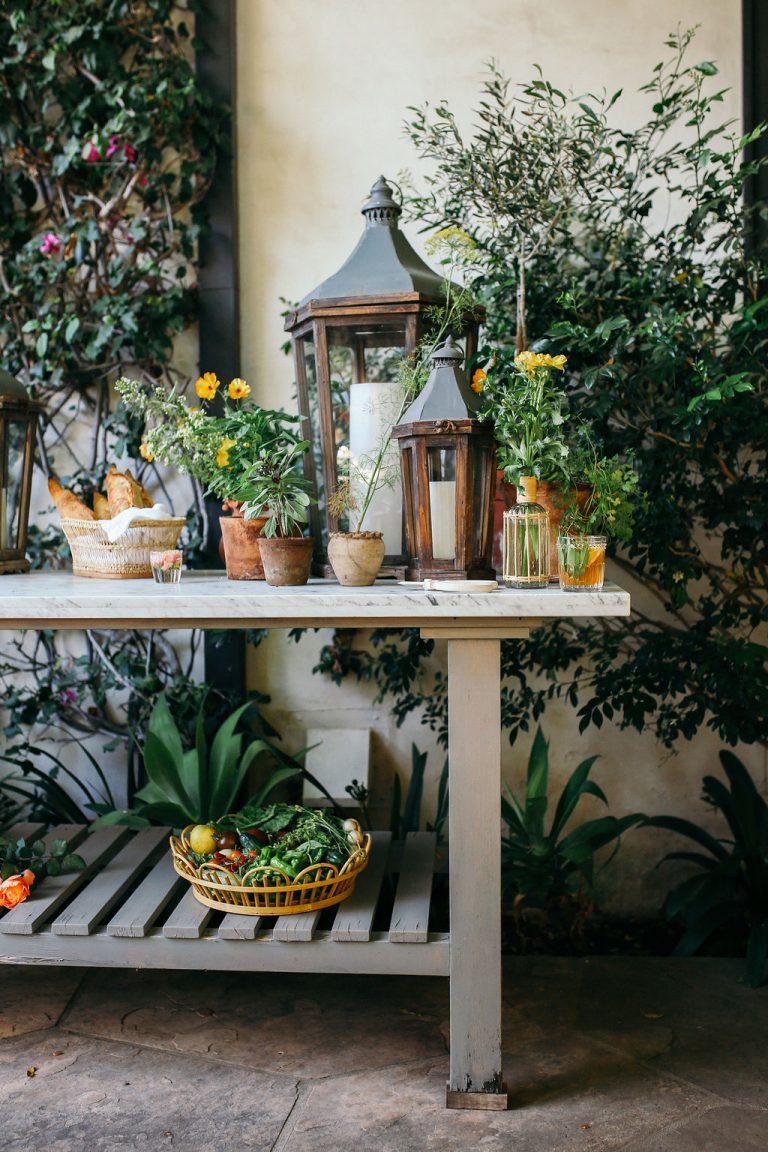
{"points": [[286, 560], [241, 547], [356, 557]]}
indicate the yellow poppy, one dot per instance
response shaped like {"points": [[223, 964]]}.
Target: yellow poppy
{"points": [[238, 389], [528, 362], [207, 385], [222, 453]]}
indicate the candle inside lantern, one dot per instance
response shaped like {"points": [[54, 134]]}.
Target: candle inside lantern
{"points": [[5, 541], [442, 502], [373, 407]]}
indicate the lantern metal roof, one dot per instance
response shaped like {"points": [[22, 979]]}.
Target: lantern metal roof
{"points": [[446, 395], [383, 262]]}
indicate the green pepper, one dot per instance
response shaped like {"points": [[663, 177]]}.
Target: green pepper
{"points": [[284, 866]]}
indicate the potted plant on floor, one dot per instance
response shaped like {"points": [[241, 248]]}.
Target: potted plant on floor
{"points": [[216, 448], [275, 489]]}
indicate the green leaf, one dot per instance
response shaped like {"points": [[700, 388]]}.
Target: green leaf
{"points": [[59, 848], [72, 862], [71, 329]]}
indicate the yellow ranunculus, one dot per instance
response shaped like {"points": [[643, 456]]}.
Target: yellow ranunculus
{"points": [[238, 389], [146, 453], [528, 362], [222, 453], [207, 385]]}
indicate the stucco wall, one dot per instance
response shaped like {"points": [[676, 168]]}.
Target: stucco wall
{"points": [[323, 88]]}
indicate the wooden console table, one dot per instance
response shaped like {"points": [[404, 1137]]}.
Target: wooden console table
{"points": [[107, 915]]}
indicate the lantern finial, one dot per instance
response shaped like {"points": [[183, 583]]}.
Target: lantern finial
{"points": [[381, 206]]}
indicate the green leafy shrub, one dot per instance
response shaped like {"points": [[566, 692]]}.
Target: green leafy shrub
{"points": [[624, 250], [728, 894], [550, 867]]}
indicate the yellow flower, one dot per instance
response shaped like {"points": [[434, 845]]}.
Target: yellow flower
{"points": [[207, 385], [222, 453], [146, 453], [238, 389], [528, 362], [478, 380]]}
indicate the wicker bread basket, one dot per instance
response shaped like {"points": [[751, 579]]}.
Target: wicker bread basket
{"points": [[128, 557], [268, 891]]}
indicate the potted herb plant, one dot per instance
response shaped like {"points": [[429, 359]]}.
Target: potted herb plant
{"points": [[606, 510], [216, 448], [274, 488]]}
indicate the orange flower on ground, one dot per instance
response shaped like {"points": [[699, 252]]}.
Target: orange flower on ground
{"points": [[207, 385], [15, 889], [238, 389], [146, 453], [222, 453], [478, 380]]}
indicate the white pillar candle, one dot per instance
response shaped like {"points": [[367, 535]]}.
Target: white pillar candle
{"points": [[4, 537], [442, 506], [373, 408]]}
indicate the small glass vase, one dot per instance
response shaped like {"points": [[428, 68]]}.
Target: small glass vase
{"points": [[582, 562], [526, 539], [166, 565]]}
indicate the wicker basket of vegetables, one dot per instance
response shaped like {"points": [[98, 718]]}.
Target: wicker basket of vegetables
{"points": [[274, 860]]}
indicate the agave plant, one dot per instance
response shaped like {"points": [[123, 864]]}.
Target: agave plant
{"points": [[202, 783], [547, 865], [730, 888]]}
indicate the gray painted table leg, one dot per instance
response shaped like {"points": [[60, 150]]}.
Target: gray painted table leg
{"points": [[474, 744]]}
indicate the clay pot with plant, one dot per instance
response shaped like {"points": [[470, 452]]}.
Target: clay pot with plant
{"points": [[279, 494], [217, 446]]}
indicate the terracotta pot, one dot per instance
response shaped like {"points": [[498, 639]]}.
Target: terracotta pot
{"points": [[241, 547], [550, 497], [286, 560], [356, 557]]}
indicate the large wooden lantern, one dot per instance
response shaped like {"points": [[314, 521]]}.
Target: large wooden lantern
{"points": [[349, 336], [448, 462], [18, 423]]}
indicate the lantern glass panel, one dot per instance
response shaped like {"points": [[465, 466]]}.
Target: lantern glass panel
{"points": [[307, 352], [11, 480], [366, 399], [441, 467], [483, 468]]}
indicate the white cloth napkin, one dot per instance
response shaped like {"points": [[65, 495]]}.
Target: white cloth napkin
{"points": [[115, 527]]}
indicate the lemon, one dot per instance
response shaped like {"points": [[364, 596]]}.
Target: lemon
{"points": [[202, 839]]}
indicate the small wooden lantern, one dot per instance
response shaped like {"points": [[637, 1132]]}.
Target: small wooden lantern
{"points": [[18, 423], [448, 462], [349, 336]]}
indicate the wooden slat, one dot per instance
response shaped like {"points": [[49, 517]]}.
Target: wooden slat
{"points": [[26, 918], [105, 890], [378, 957], [410, 915], [188, 919], [24, 831], [143, 907], [354, 918], [296, 929], [238, 927]]}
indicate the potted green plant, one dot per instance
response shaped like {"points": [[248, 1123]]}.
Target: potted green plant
{"points": [[275, 489], [606, 510], [216, 448]]}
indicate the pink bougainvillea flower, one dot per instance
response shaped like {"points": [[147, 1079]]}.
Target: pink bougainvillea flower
{"points": [[142, 181], [130, 153], [113, 146], [51, 244], [91, 152]]}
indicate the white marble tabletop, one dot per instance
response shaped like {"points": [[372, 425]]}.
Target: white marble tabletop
{"points": [[209, 599]]}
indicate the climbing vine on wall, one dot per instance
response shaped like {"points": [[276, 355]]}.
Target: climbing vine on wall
{"points": [[108, 145]]}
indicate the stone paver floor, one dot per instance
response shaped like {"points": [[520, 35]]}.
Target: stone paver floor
{"points": [[645, 1055]]}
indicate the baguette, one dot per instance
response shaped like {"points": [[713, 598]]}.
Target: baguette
{"points": [[70, 506]]}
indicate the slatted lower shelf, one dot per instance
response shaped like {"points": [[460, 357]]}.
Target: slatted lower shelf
{"points": [[129, 909]]}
